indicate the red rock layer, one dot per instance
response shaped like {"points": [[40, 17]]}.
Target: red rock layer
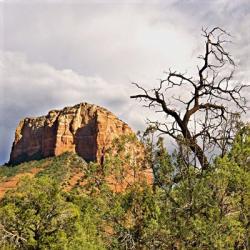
{"points": [[85, 129]]}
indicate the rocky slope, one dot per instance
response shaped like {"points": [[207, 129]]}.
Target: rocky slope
{"points": [[85, 129], [72, 172]]}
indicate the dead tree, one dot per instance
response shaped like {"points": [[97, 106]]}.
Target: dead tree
{"points": [[213, 99]]}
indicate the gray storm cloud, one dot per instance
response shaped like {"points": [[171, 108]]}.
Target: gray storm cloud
{"points": [[59, 53]]}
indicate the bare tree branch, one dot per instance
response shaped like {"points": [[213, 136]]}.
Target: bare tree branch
{"points": [[215, 98]]}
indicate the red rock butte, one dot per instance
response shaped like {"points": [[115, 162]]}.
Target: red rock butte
{"points": [[85, 129]]}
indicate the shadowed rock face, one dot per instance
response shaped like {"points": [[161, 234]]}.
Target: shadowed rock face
{"points": [[85, 129]]}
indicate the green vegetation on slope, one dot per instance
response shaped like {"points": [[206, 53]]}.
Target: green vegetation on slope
{"points": [[185, 208], [9, 171]]}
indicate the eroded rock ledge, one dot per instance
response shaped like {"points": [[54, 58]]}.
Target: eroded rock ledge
{"points": [[85, 129]]}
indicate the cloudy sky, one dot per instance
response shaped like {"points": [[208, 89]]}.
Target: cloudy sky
{"points": [[58, 53]]}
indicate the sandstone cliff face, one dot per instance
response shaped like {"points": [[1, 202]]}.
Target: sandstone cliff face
{"points": [[85, 129]]}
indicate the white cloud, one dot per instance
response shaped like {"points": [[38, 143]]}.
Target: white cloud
{"points": [[119, 41]]}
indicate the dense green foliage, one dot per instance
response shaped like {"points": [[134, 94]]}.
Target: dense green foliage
{"points": [[185, 208]]}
